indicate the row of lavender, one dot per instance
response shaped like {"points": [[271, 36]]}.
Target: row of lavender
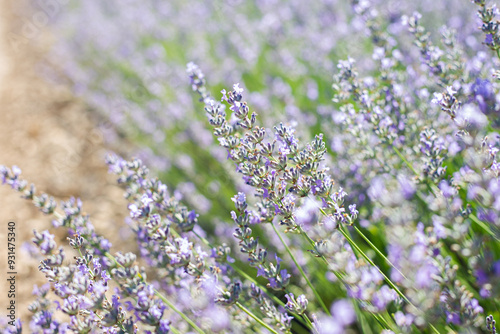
{"points": [[387, 221]]}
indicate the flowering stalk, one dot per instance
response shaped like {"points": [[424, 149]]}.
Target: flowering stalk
{"points": [[318, 297], [256, 285], [433, 191], [244, 309], [491, 324], [433, 170], [490, 26], [261, 168], [138, 187], [75, 221]]}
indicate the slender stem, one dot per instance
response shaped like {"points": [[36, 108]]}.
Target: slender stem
{"points": [[362, 320], [365, 238], [433, 328], [404, 160], [472, 216], [179, 312], [377, 317], [251, 279], [307, 319], [318, 297], [306, 323], [243, 273], [382, 321], [297, 316], [483, 226], [173, 330], [244, 309], [353, 244], [311, 241], [378, 251]]}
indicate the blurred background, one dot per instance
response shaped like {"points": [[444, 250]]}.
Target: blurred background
{"points": [[49, 134]]}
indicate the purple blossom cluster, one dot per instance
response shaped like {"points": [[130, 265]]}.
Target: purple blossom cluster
{"points": [[387, 220], [285, 179]]}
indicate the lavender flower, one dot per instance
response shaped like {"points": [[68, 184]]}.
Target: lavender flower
{"points": [[387, 190]]}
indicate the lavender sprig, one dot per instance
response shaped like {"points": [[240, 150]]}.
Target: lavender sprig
{"points": [[127, 276], [491, 324], [260, 169], [307, 161], [489, 25], [150, 202]]}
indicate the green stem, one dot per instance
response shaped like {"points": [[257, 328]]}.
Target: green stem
{"points": [[244, 309], [173, 330], [243, 273], [365, 328], [404, 160], [316, 294], [377, 250], [311, 241], [377, 317], [483, 226], [382, 321], [306, 323], [308, 320], [353, 244], [434, 328], [391, 284], [179, 312], [365, 238], [472, 216]]}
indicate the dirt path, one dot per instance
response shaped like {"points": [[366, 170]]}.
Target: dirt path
{"points": [[47, 133]]}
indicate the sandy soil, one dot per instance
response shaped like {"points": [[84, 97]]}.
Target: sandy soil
{"points": [[51, 136]]}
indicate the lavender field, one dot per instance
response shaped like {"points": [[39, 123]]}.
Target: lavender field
{"points": [[287, 167]]}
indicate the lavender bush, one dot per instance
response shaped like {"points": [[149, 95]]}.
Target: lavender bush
{"points": [[366, 203]]}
